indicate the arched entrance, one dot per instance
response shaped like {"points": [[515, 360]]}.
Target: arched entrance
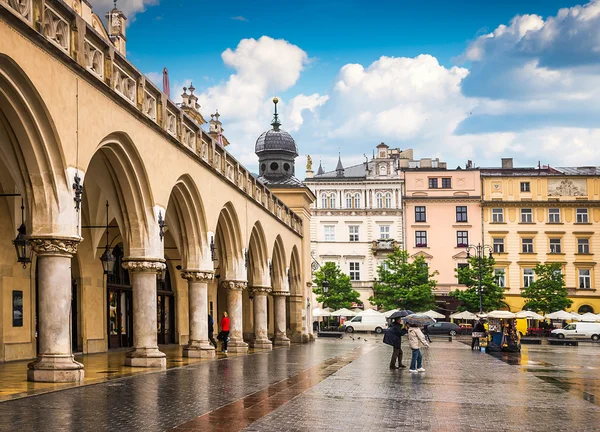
{"points": [[585, 309], [165, 303]]}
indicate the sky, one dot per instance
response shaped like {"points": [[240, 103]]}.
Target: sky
{"points": [[458, 80]]}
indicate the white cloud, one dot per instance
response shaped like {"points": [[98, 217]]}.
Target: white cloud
{"points": [[129, 7], [302, 103]]}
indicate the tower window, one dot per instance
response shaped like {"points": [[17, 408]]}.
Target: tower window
{"points": [[286, 166], [274, 166]]}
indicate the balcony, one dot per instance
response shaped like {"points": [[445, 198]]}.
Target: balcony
{"points": [[384, 246]]}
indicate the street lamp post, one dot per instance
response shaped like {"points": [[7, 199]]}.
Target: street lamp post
{"points": [[479, 250]]}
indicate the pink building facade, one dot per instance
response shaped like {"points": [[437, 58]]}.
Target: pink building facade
{"points": [[442, 216]]}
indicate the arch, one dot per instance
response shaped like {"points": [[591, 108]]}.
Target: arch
{"points": [[357, 200], [295, 273], [31, 150], [228, 242], [258, 257], [186, 219], [116, 172], [278, 272], [585, 308]]}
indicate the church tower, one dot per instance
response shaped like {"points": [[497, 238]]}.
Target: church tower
{"points": [[116, 29]]}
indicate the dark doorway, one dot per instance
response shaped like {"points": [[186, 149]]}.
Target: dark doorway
{"points": [[74, 335], [119, 304], [165, 302]]}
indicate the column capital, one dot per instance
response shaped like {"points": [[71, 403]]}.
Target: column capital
{"points": [[205, 276], [234, 285], [258, 289], [280, 293], [55, 245], [150, 265]]}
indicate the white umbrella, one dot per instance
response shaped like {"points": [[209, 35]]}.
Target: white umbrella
{"points": [[529, 315], [369, 312], [434, 314], [389, 313], [318, 312], [343, 312], [575, 315], [589, 317], [501, 314], [466, 315], [560, 315]]}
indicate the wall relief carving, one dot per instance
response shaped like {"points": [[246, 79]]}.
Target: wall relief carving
{"points": [[567, 187]]}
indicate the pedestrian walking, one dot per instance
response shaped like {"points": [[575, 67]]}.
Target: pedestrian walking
{"points": [[211, 330], [393, 337], [224, 334], [416, 338]]}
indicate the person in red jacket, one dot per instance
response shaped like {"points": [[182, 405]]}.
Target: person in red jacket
{"points": [[224, 331]]}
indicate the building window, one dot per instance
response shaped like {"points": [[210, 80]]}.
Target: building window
{"points": [[555, 246], [498, 245], [583, 246], [526, 216], [379, 200], [499, 276], [554, 215], [497, 215], [323, 201], [332, 200], [527, 245], [348, 201], [420, 214], [461, 213], [388, 200], [528, 277], [525, 187], [420, 238], [383, 169], [446, 182], [461, 266], [354, 271], [462, 239], [582, 215], [384, 231], [357, 200], [353, 232], [433, 183], [585, 279], [329, 232]]}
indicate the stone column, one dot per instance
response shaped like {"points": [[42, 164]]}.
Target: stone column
{"points": [[142, 273], [55, 362], [234, 309], [198, 345], [261, 326], [281, 338]]}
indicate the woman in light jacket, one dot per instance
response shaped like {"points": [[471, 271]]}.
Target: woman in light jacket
{"points": [[416, 338]]}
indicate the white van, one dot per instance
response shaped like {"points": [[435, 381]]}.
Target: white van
{"points": [[376, 323], [580, 330]]}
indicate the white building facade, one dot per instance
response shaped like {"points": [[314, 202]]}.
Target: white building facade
{"points": [[357, 217]]}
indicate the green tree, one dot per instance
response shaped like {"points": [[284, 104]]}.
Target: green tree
{"points": [[548, 292], [403, 284], [492, 293], [340, 293]]}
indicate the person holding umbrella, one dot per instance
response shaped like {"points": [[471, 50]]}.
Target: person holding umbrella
{"points": [[393, 337], [416, 338]]}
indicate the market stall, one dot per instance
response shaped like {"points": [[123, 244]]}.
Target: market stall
{"points": [[502, 332]]}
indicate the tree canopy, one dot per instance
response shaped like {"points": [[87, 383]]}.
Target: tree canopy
{"points": [[403, 284], [493, 294], [340, 293], [547, 293]]}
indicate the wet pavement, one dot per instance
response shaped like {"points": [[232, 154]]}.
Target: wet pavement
{"points": [[337, 384]]}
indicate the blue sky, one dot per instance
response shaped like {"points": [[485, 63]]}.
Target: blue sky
{"points": [[353, 73]]}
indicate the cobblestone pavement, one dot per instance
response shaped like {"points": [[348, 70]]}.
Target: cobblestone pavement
{"points": [[460, 391], [337, 385]]}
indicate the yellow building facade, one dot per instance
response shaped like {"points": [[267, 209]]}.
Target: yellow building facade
{"points": [[544, 215]]}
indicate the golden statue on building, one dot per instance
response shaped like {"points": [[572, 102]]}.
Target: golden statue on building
{"points": [[308, 163]]}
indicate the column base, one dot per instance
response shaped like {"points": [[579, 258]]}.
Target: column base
{"points": [[56, 368], [199, 351], [237, 346], [281, 341], [146, 357], [265, 344]]}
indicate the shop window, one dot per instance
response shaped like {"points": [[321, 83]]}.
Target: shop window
{"points": [[17, 308]]}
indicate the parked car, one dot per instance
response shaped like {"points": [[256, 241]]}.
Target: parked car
{"points": [[365, 323], [446, 328], [580, 330]]}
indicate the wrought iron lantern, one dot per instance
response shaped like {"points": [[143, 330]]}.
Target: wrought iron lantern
{"points": [[107, 258], [22, 245]]}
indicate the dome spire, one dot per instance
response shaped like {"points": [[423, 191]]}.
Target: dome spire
{"points": [[275, 123]]}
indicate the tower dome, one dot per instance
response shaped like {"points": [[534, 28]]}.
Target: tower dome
{"points": [[276, 151]]}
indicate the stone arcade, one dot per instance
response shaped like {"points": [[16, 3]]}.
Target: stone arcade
{"points": [[105, 163]]}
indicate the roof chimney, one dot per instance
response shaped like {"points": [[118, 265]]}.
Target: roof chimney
{"points": [[507, 163]]}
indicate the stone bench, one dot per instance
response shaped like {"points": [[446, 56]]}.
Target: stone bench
{"points": [[563, 342], [330, 334]]}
